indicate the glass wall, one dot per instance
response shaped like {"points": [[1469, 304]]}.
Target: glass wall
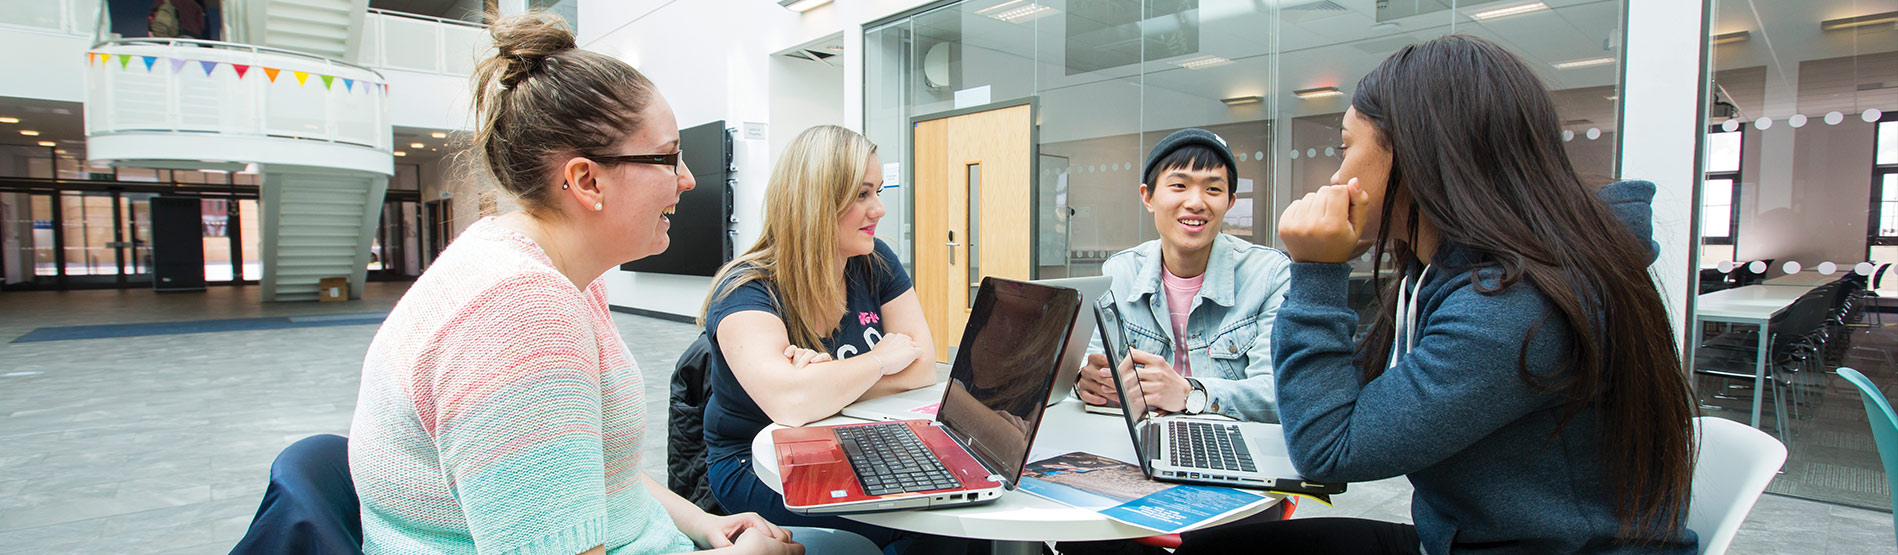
{"points": [[1111, 77], [1799, 215]]}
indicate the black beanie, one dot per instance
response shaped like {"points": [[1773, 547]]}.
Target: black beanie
{"points": [[1184, 137]]}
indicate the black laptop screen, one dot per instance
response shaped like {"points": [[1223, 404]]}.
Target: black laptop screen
{"points": [[1003, 371], [1128, 390]]}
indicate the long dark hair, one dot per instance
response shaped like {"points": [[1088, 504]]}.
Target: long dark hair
{"points": [[1476, 148]]}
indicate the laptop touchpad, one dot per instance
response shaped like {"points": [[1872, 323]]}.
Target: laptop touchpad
{"points": [[811, 452]]}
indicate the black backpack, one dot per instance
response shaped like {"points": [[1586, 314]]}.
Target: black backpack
{"points": [[685, 426]]}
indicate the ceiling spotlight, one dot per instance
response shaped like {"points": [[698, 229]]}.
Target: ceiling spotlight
{"points": [[1586, 62], [1242, 100], [29, 132], [1320, 92], [9, 120], [213, 170], [417, 145], [1518, 9], [48, 143], [1859, 21], [801, 6], [400, 153], [1736, 36], [439, 135]]}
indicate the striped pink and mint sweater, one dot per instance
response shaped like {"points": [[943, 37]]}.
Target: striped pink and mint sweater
{"points": [[500, 413]]}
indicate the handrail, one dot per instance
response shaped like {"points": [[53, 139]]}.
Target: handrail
{"points": [[427, 18], [231, 46]]}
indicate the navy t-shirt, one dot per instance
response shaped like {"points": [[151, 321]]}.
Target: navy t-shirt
{"points": [[732, 418]]}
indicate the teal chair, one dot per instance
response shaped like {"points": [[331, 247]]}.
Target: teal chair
{"points": [[1884, 428]]}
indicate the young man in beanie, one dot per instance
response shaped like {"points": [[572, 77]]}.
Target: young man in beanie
{"points": [[1197, 304]]}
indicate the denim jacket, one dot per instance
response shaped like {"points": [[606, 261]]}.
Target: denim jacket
{"points": [[1228, 329]]}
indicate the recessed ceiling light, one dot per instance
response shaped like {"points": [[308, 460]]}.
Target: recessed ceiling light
{"points": [[416, 145], [1242, 100], [1518, 9], [438, 135], [801, 6], [29, 132], [48, 143], [1736, 36], [209, 170], [1320, 92], [1585, 62], [1014, 11], [400, 153], [1858, 21], [9, 120], [1202, 62]]}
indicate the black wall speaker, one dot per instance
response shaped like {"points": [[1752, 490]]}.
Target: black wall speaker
{"points": [[700, 239]]}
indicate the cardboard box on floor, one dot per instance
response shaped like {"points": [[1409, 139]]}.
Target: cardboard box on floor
{"points": [[332, 289]]}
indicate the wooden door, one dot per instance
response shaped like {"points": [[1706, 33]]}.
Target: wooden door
{"points": [[973, 211]]}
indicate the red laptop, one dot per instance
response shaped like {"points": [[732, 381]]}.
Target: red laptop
{"points": [[976, 447]]}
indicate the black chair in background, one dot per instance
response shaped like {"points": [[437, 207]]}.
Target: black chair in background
{"points": [[1793, 347], [311, 505], [685, 427]]}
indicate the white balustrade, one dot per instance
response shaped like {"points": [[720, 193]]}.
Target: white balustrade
{"points": [[195, 86]]}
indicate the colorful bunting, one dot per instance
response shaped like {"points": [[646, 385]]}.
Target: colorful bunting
{"points": [[178, 65]]}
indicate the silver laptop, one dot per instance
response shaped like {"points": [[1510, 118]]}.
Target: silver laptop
{"points": [[1199, 450], [1075, 355]]}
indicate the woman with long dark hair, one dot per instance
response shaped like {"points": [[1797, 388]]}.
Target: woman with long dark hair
{"points": [[1522, 372]]}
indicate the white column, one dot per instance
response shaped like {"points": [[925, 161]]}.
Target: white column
{"points": [[1661, 128], [853, 76]]}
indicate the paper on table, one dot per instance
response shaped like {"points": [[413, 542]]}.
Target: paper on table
{"points": [[1119, 491]]}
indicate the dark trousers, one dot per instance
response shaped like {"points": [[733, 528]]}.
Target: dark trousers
{"points": [[1304, 535], [740, 491]]}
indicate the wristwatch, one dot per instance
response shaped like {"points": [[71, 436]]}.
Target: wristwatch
{"points": [[1196, 398]]}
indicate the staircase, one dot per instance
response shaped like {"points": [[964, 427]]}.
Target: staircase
{"points": [[327, 28], [317, 223]]}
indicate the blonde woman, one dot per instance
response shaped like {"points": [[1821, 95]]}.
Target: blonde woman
{"points": [[499, 410], [818, 315]]}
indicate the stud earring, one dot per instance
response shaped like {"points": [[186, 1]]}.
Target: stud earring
{"points": [[564, 186], [599, 206]]}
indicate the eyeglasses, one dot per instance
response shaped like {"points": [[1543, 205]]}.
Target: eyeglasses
{"points": [[674, 159]]}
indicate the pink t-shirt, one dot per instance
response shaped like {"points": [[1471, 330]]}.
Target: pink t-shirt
{"points": [[1179, 302]]}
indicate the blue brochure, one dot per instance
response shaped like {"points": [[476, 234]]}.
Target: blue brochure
{"points": [[1120, 491]]}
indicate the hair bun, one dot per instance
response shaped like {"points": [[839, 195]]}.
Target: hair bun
{"points": [[526, 41]]}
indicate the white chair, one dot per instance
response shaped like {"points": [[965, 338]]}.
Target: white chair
{"points": [[1733, 467]]}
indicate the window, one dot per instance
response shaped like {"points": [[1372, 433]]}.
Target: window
{"points": [[1884, 228], [1720, 187]]}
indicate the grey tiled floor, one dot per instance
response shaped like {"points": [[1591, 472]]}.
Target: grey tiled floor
{"points": [[162, 444]]}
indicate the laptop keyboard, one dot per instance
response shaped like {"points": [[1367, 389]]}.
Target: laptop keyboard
{"points": [[889, 458], [1208, 445]]}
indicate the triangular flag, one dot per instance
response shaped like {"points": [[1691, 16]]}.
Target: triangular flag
{"points": [[302, 76], [328, 80], [91, 57], [148, 62], [349, 85], [124, 61], [208, 66], [241, 68], [178, 64], [105, 58], [272, 72]]}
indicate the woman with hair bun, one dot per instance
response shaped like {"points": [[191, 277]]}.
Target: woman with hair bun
{"points": [[499, 411]]}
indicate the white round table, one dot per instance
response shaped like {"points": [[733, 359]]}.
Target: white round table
{"points": [[1019, 521]]}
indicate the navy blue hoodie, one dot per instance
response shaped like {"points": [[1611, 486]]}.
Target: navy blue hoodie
{"points": [[1454, 414]]}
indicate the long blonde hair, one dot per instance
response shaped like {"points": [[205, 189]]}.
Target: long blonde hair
{"points": [[814, 182]]}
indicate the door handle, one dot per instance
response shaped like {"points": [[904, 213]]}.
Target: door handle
{"points": [[952, 244]]}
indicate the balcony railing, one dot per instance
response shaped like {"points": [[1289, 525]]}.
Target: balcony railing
{"points": [[198, 86], [411, 42], [69, 17]]}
